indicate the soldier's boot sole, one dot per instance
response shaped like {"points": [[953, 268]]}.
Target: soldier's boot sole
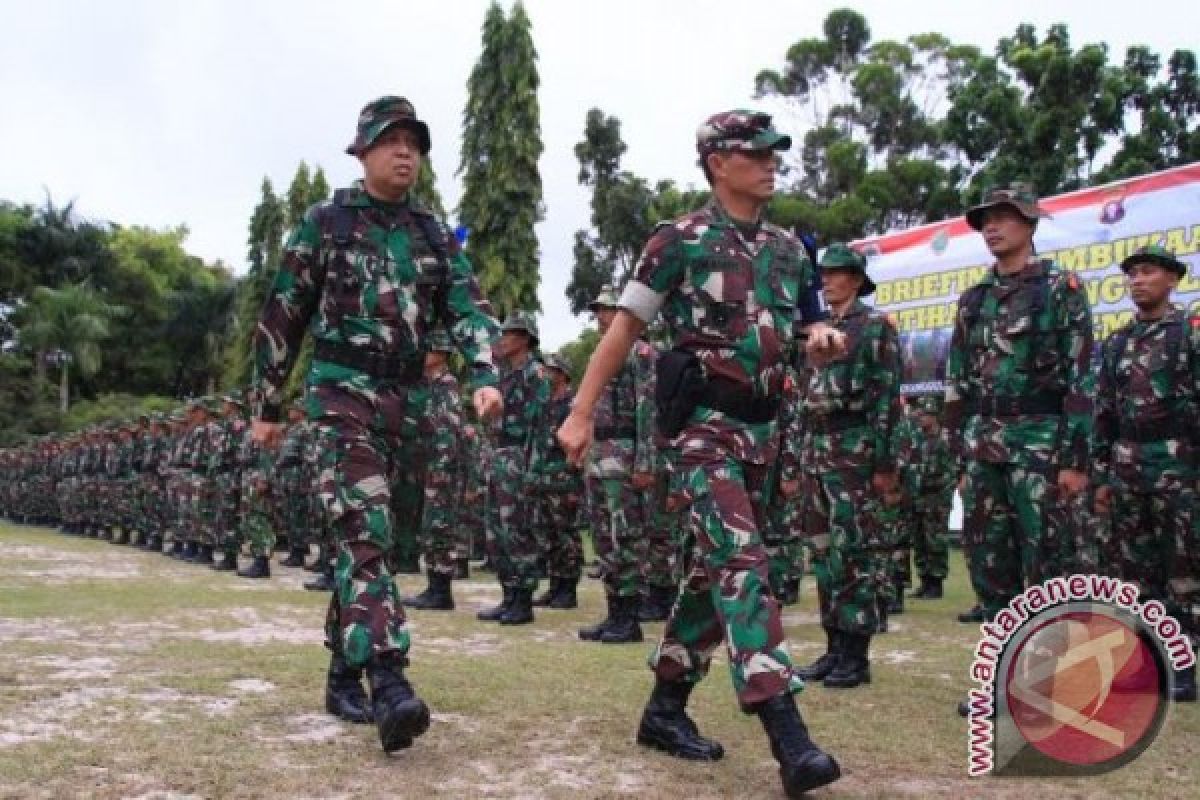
{"points": [[814, 770], [692, 748], [399, 724]]}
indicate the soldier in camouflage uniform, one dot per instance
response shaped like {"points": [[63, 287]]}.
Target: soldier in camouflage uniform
{"points": [[728, 285], [1018, 404], [933, 478], [526, 391], [369, 275], [783, 537], [557, 493], [232, 429], [619, 479], [256, 467], [851, 407], [471, 517], [1146, 446], [443, 482], [906, 444]]}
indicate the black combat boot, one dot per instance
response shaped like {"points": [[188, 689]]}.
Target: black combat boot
{"points": [[1184, 690], [566, 596], [881, 614], [666, 726], [624, 627], [520, 612], [972, 616], [204, 554], [119, 536], [789, 593], [592, 633], [106, 533], [933, 589], [462, 568], [896, 605], [228, 563], [324, 581], [176, 550], [345, 697], [318, 564], [190, 552], [543, 599], [802, 765], [655, 604], [154, 544], [260, 567], [494, 613], [295, 557], [817, 670], [853, 668], [437, 597], [400, 716]]}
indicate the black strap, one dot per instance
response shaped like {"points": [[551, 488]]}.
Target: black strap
{"points": [[401, 370], [738, 402]]}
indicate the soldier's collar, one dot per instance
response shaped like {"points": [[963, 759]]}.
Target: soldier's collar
{"points": [[721, 216]]}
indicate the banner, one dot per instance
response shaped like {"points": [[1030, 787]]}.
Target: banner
{"points": [[921, 272]]}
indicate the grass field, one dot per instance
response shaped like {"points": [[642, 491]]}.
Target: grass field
{"points": [[125, 674]]}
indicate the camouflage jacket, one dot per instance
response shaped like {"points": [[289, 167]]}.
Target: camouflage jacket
{"points": [[553, 472], [526, 392], [625, 415], [730, 299], [863, 385], [444, 423], [1031, 342], [366, 294], [1149, 390]]}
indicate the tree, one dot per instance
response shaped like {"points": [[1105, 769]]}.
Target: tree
{"points": [[68, 325], [502, 188], [426, 194], [265, 245]]}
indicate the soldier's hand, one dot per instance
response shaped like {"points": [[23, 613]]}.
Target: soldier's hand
{"points": [[824, 343], [575, 436], [266, 433], [1071, 482], [488, 402], [884, 482], [789, 488], [642, 480], [1103, 499]]}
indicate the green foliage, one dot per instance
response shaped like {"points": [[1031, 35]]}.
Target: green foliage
{"points": [[115, 406], [265, 248], [501, 144], [26, 408], [578, 351], [426, 194]]}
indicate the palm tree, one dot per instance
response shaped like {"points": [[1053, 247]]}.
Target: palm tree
{"points": [[68, 324]]}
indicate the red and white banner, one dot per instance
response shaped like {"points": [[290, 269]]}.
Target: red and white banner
{"points": [[921, 272]]}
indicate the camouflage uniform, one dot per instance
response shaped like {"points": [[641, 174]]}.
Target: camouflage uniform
{"points": [[1146, 448], [784, 534], [851, 407], [368, 280], [1018, 410], [443, 474], [931, 483]]}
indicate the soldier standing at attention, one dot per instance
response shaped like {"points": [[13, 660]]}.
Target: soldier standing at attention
{"points": [[370, 274], [1018, 403], [619, 479], [935, 474], [1146, 447], [728, 285], [526, 390], [851, 408]]}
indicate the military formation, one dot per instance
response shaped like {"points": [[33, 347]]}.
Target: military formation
{"points": [[759, 434]]}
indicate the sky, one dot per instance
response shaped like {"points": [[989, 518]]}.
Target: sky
{"points": [[164, 112]]}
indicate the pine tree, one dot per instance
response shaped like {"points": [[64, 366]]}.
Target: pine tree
{"points": [[265, 250], [502, 189]]}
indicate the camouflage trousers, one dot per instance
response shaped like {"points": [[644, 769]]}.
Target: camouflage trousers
{"points": [[228, 522], [256, 504], [516, 547], [784, 538], [407, 505], [725, 594], [1015, 532], [439, 539], [365, 616], [1155, 544], [619, 517], [930, 547], [849, 547], [661, 568], [902, 538], [556, 529]]}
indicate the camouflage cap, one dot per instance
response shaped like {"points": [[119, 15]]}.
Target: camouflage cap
{"points": [[605, 298], [555, 361], [840, 256], [740, 129], [1155, 254], [379, 115], [439, 341], [234, 397], [1020, 196], [521, 321]]}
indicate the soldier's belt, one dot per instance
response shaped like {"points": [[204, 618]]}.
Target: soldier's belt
{"points": [[606, 432], [402, 370], [737, 401], [1158, 430], [1015, 406], [837, 422]]}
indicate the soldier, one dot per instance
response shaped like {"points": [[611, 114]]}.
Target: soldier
{"points": [[728, 285], [1146, 447], [526, 391], [851, 407], [557, 489], [369, 274], [619, 477], [933, 479], [227, 533], [1018, 403], [443, 487], [285, 473], [256, 467]]}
